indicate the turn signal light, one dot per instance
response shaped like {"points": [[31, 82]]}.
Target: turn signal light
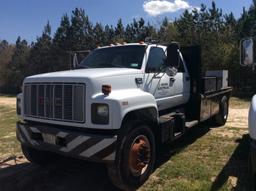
{"points": [[106, 89]]}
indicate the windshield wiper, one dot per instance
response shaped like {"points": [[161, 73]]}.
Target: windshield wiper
{"points": [[82, 66], [117, 65]]}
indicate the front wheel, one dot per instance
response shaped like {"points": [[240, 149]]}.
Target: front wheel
{"points": [[136, 161]]}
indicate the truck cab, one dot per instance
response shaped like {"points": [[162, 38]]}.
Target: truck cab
{"points": [[122, 102], [167, 89]]}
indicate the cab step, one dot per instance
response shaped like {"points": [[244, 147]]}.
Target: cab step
{"points": [[177, 135], [190, 124], [172, 126]]}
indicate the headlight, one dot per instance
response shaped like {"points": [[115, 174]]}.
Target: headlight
{"points": [[100, 113], [102, 110], [18, 106]]}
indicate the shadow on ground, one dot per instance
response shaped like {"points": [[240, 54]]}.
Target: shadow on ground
{"points": [[67, 175], [167, 151], [76, 175], [237, 166]]}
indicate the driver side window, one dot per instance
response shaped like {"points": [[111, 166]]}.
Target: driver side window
{"points": [[156, 59]]}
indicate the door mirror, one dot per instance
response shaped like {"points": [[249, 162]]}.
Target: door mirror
{"points": [[173, 57], [246, 52]]}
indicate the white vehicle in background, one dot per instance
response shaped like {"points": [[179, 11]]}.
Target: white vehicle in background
{"points": [[247, 59]]}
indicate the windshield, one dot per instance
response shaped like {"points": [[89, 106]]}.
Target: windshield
{"points": [[115, 57]]}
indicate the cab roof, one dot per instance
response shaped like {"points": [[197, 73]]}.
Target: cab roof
{"points": [[122, 44]]}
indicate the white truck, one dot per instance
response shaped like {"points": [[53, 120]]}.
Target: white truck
{"points": [[247, 59], [122, 103]]}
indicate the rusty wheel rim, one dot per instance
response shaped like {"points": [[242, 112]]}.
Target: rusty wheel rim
{"points": [[139, 155]]}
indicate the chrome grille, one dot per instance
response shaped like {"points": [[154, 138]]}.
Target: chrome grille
{"points": [[58, 101]]}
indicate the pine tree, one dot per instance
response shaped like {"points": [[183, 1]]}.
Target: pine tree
{"points": [[99, 37], [188, 32], [119, 31], [81, 29], [109, 34], [62, 35], [6, 53], [129, 33], [40, 57], [60, 52], [18, 66], [167, 32]]}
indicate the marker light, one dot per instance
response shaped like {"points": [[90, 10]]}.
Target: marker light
{"points": [[106, 89]]}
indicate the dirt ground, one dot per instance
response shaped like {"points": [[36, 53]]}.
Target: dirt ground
{"points": [[16, 173], [9, 101], [238, 118]]}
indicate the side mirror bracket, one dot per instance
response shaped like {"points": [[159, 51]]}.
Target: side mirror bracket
{"points": [[75, 61]]}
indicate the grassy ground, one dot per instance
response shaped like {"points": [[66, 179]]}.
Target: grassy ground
{"points": [[8, 144], [238, 103], [206, 158], [209, 162]]}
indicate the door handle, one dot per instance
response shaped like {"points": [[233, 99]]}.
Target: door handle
{"points": [[172, 80]]}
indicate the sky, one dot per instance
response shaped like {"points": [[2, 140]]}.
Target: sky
{"points": [[27, 18]]}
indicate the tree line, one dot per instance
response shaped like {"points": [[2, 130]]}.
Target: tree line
{"points": [[218, 34]]}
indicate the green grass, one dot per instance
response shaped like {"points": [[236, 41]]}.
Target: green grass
{"points": [[7, 95], [208, 163], [8, 144]]}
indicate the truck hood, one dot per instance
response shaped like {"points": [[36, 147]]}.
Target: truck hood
{"points": [[87, 73]]}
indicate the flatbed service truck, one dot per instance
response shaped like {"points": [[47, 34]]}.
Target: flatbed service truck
{"points": [[122, 103]]}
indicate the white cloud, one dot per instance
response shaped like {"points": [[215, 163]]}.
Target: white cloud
{"points": [[194, 8], [158, 7]]}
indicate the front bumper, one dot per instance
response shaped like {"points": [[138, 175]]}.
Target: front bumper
{"points": [[74, 144]]}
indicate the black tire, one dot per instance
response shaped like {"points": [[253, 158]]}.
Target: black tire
{"points": [[39, 157], [121, 172], [221, 118]]}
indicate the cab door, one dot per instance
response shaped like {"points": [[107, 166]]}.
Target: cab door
{"points": [[182, 85], [157, 82]]}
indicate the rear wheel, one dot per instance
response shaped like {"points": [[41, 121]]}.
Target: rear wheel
{"points": [[37, 156], [221, 118], [136, 160]]}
